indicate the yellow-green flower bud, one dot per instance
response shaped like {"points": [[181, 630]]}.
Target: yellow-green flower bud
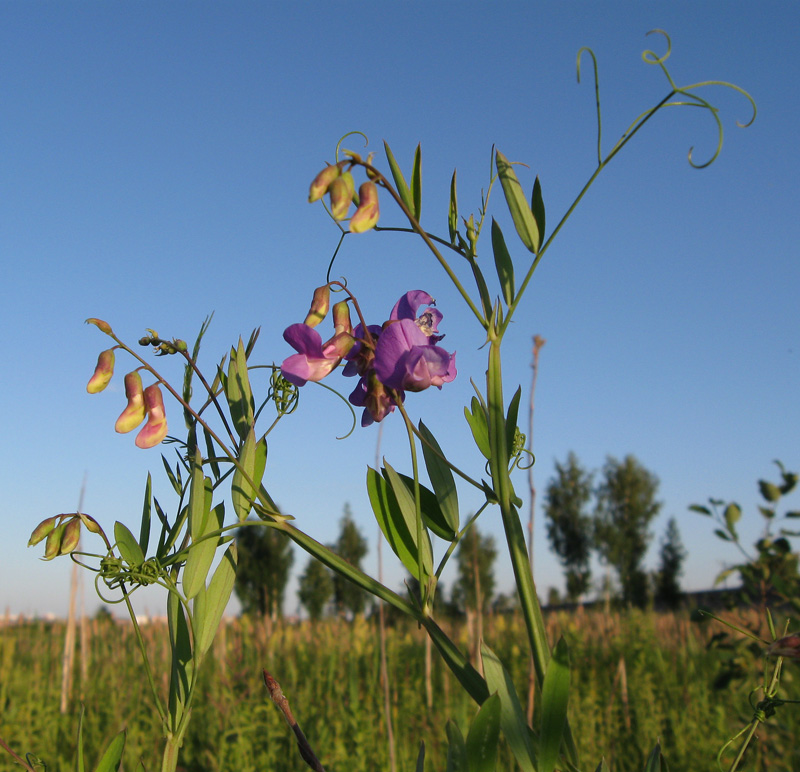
{"points": [[71, 537], [91, 524], [156, 427], [102, 372], [53, 543], [341, 192], [42, 530], [101, 325], [341, 318], [321, 183], [366, 216], [320, 304], [134, 414]]}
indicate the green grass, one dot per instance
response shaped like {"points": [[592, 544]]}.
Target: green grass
{"points": [[636, 678]]}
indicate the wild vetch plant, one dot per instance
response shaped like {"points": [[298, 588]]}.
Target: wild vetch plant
{"points": [[218, 480]]}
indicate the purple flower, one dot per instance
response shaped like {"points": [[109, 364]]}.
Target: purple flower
{"points": [[314, 360], [407, 357]]}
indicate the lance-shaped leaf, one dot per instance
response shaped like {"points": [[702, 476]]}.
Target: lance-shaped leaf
{"points": [[537, 207], [476, 418], [147, 507], [656, 761], [392, 521], [555, 697], [483, 737], [400, 181], [521, 213], [512, 717], [511, 420], [127, 545], [441, 476], [201, 553], [176, 486], [405, 500], [238, 391], [432, 514], [452, 212], [416, 183], [112, 758], [503, 264], [421, 758], [456, 749], [210, 603], [252, 462], [181, 649]]}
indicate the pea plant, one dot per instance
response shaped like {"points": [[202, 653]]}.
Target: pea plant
{"points": [[219, 477]]}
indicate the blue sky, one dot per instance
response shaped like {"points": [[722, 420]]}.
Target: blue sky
{"points": [[155, 165]]}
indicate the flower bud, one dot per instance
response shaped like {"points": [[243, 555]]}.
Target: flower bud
{"points": [[132, 415], [91, 524], [102, 372], [341, 318], [788, 646], [341, 191], [42, 530], [53, 543], [71, 537], [320, 304], [371, 174], [366, 216], [156, 427], [101, 325], [319, 187]]}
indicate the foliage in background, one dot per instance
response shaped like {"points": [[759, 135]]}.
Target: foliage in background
{"points": [[569, 524], [315, 589], [350, 545], [667, 591], [626, 504], [265, 559]]}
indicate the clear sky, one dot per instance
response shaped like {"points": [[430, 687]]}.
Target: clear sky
{"points": [[154, 167]]}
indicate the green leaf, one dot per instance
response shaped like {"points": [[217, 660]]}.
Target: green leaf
{"points": [[521, 214], [483, 737], [147, 508], [201, 553], [391, 521], [252, 462], [476, 418], [480, 283], [555, 697], [769, 491], [421, 757], [793, 513], [656, 761], [537, 207], [399, 180], [441, 476], [210, 454], [416, 183], [238, 391], [405, 500], [210, 603], [452, 212], [431, 511], [722, 535], [127, 545], [701, 510], [511, 420], [112, 758], [198, 512], [512, 718], [171, 475], [733, 514], [456, 749], [503, 263], [602, 766], [181, 648]]}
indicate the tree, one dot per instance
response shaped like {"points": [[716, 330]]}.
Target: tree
{"points": [[626, 505], [667, 587], [569, 526], [315, 588], [474, 587], [265, 558], [352, 546]]}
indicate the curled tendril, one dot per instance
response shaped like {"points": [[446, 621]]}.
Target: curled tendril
{"points": [[333, 257], [686, 99], [116, 573], [530, 459], [285, 395], [349, 407], [345, 136]]}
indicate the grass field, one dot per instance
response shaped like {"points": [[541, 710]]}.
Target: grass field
{"points": [[636, 678]]}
